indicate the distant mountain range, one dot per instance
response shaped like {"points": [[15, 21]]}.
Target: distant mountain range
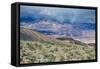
{"points": [[30, 35], [79, 31]]}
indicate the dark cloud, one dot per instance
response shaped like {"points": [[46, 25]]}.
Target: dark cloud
{"points": [[62, 15]]}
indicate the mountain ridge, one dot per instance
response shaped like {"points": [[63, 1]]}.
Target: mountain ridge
{"points": [[30, 35]]}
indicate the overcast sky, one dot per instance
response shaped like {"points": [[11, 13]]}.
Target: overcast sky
{"points": [[63, 15]]}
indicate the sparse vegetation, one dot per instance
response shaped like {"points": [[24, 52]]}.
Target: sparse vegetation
{"points": [[37, 52]]}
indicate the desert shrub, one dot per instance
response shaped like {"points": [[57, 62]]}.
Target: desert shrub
{"points": [[62, 58], [50, 57], [30, 46], [48, 51]]}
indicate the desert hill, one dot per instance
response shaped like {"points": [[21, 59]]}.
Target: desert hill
{"points": [[36, 48]]}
